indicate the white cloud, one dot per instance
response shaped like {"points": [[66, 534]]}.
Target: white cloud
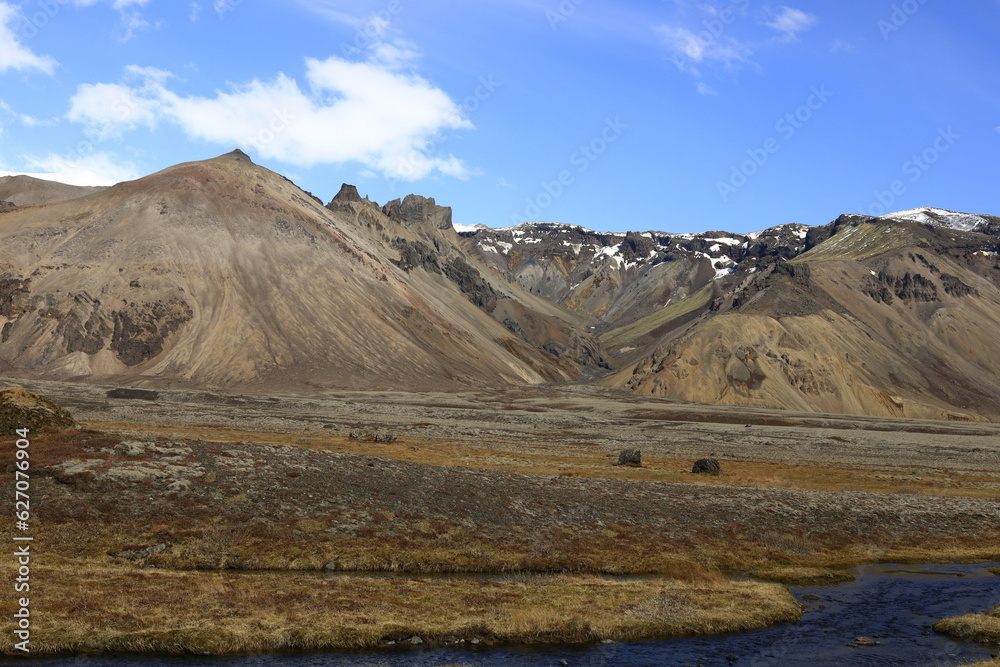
{"points": [[95, 169], [108, 109], [713, 43], [132, 20], [706, 89], [688, 47], [791, 21], [133, 23], [23, 118], [842, 46], [13, 54], [375, 112]]}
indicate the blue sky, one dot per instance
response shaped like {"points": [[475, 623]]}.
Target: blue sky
{"points": [[676, 115]]}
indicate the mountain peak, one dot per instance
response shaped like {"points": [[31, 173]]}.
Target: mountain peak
{"points": [[348, 194], [238, 155], [417, 210], [939, 217]]}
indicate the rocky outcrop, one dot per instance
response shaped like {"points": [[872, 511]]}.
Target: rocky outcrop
{"points": [[419, 255], [19, 408], [416, 255], [911, 287], [14, 296], [471, 283], [415, 210], [955, 287], [141, 330], [348, 195]]}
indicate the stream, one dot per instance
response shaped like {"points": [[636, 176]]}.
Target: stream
{"points": [[893, 604]]}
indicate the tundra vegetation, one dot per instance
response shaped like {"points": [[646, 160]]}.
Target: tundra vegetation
{"points": [[178, 532]]}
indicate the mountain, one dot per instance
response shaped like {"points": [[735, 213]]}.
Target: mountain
{"points": [[620, 277], [938, 217], [222, 273], [893, 316], [27, 191]]}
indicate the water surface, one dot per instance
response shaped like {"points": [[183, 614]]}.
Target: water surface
{"points": [[893, 604]]}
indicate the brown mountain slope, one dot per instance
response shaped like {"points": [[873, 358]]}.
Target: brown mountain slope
{"points": [[27, 190], [886, 318], [222, 273]]}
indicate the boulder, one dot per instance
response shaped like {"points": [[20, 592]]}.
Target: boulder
{"points": [[630, 457], [707, 466], [372, 435], [863, 642], [129, 448], [19, 408]]}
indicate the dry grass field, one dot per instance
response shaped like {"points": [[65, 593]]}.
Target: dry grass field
{"points": [[114, 609], [226, 510]]}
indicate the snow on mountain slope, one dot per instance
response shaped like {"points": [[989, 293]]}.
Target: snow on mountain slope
{"points": [[939, 217]]}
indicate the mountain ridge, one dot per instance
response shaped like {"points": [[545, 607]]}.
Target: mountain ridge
{"points": [[221, 273], [207, 272], [24, 190]]}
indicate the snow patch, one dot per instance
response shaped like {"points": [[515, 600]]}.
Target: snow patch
{"points": [[939, 217], [722, 273], [487, 246], [469, 228], [798, 229], [612, 252]]}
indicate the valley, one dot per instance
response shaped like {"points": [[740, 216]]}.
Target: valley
{"points": [[279, 401], [153, 492]]}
